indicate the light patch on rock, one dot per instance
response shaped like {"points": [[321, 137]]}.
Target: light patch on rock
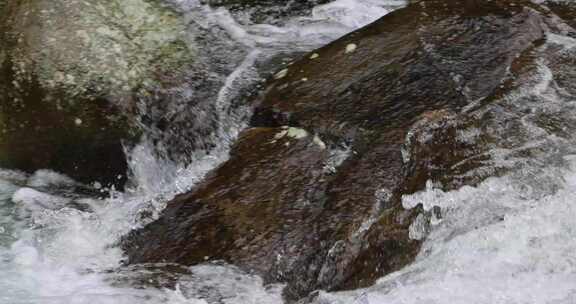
{"points": [[78, 121], [281, 74], [279, 135], [291, 132], [350, 48], [319, 142], [314, 56], [297, 133]]}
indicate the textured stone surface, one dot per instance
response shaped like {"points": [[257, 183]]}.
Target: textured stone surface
{"points": [[70, 76], [312, 193]]}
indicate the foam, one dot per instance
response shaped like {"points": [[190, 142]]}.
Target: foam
{"points": [[494, 245]]}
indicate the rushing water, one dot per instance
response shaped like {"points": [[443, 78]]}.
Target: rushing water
{"points": [[58, 238]]}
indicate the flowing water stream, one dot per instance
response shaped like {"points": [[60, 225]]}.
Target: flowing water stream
{"points": [[511, 239]]}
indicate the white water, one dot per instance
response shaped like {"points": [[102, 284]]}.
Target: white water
{"points": [[496, 244], [58, 245]]}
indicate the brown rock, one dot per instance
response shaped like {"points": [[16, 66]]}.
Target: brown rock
{"points": [[564, 9], [382, 109]]}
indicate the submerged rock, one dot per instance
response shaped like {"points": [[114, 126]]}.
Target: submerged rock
{"points": [[70, 76], [312, 194]]}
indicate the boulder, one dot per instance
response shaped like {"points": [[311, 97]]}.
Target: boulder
{"points": [[375, 78], [72, 74], [312, 193]]}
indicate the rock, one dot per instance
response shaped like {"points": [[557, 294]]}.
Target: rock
{"points": [[71, 76], [312, 193], [426, 46], [564, 9], [263, 164]]}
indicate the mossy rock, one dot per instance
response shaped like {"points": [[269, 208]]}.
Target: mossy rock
{"points": [[72, 73]]}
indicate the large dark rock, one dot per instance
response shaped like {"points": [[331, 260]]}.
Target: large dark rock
{"points": [[75, 75], [425, 57], [311, 195]]}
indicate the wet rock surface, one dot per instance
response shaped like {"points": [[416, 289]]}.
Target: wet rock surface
{"points": [[71, 74], [564, 9], [81, 141], [439, 47], [80, 81], [311, 194]]}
